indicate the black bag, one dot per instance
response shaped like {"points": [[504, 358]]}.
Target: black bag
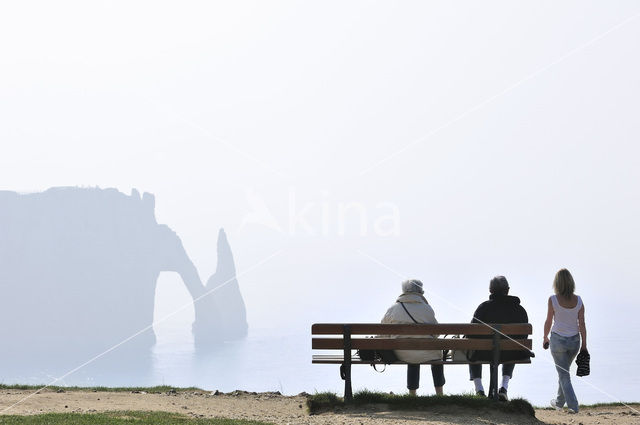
{"points": [[582, 361], [368, 355], [388, 356], [382, 356]]}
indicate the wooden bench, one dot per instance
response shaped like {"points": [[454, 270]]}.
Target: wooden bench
{"points": [[348, 337]]}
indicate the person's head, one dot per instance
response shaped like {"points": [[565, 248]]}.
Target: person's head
{"points": [[412, 285], [563, 283], [499, 286]]}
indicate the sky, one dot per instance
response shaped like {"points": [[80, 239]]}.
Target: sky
{"points": [[345, 146]]}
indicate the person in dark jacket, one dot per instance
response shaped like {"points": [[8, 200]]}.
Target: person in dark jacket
{"points": [[500, 308]]}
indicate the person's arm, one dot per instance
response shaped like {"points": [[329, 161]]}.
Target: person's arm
{"points": [[430, 318], [477, 318], [388, 317], [583, 328], [477, 315], [523, 318], [387, 320], [547, 325]]}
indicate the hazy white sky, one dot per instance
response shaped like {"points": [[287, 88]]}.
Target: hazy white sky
{"points": [[503, 134]]}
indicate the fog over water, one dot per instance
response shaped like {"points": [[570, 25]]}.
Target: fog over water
{"points": [[344, 146]]}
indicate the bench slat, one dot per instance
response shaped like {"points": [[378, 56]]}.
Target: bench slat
{"points": [[321, 359], [418, 344], [413, 329]]}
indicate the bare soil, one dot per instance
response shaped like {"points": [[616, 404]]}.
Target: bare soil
{"points": [[278, 409]]}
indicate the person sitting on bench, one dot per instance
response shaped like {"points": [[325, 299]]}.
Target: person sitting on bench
{"points": [[500, 308], [412, 307]]}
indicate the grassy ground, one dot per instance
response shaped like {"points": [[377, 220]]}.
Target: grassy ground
{"points": [[118, 418], [328, 401], [151, 390], [614, 404], [595, 405]]}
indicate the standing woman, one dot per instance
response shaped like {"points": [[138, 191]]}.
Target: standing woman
{"points": [[566, 312]]}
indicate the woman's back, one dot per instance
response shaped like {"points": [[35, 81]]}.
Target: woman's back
{"points": [[565, 315], [418, 309], [569, 302]]}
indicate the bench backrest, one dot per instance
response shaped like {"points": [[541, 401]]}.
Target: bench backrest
{"points": [[419, 337]]}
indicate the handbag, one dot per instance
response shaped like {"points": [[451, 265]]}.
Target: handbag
{"points": [[379, 356], [582, 361], [376, 357], [461, 355]]}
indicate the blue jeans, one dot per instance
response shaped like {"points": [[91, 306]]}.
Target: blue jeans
{"points": [[413, 376], [475, 370], [564, 350]]}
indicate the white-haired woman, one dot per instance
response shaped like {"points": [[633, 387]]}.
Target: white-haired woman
{"points": [[412, 307], [566, 312]]}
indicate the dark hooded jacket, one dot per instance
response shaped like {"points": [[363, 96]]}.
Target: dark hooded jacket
{"points": [[501, 309]]}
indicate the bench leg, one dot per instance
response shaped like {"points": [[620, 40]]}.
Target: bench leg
{"points": [[346, 366], [345, 373], [493, 386]]}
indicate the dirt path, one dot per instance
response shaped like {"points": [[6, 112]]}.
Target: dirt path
{"points": [[272, 407]]}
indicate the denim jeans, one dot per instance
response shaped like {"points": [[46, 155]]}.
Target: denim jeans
{"points": [[413, 376], [475, 370], [564, 350]]}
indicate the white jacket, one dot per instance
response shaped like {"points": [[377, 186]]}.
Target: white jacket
{"points": [[422, 313]]}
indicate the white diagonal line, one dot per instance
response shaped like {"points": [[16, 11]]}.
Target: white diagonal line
{"points": [[500, 94], [397, 273], [146, 328]]}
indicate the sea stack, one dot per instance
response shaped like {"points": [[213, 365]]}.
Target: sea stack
{"points": [[221, 314]]}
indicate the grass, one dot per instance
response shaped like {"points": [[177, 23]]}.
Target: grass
{"points": [[328, 401], [596, 405], [151, 390], [612, 404], [119, 418]]}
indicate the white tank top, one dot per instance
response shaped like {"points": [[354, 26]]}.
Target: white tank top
{"points": [[565, 320]]}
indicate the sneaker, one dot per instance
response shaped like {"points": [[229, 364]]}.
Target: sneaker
{"points": [[554, 405], [571, 411], [480, 393], [502, 394]]}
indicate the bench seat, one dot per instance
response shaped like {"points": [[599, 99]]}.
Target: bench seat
{"points": [[339, 359]]}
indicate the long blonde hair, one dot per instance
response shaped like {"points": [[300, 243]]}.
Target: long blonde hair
{"points": [[563, 283]]}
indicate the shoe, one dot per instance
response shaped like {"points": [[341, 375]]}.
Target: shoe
{"points": [[571, 411], [502, 394], [554, 405], [480, 393]]}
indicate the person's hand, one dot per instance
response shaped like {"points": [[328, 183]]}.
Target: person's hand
{"points": [[584, 348], [545, 343]]}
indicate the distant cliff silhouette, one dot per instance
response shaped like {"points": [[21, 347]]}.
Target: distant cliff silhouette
{"points": [[78, 272]]}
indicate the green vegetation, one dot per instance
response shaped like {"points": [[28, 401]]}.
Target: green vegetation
{"points": [[119, 418], [328, 401], [633, 404], [150, 390], [614, 404]]}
